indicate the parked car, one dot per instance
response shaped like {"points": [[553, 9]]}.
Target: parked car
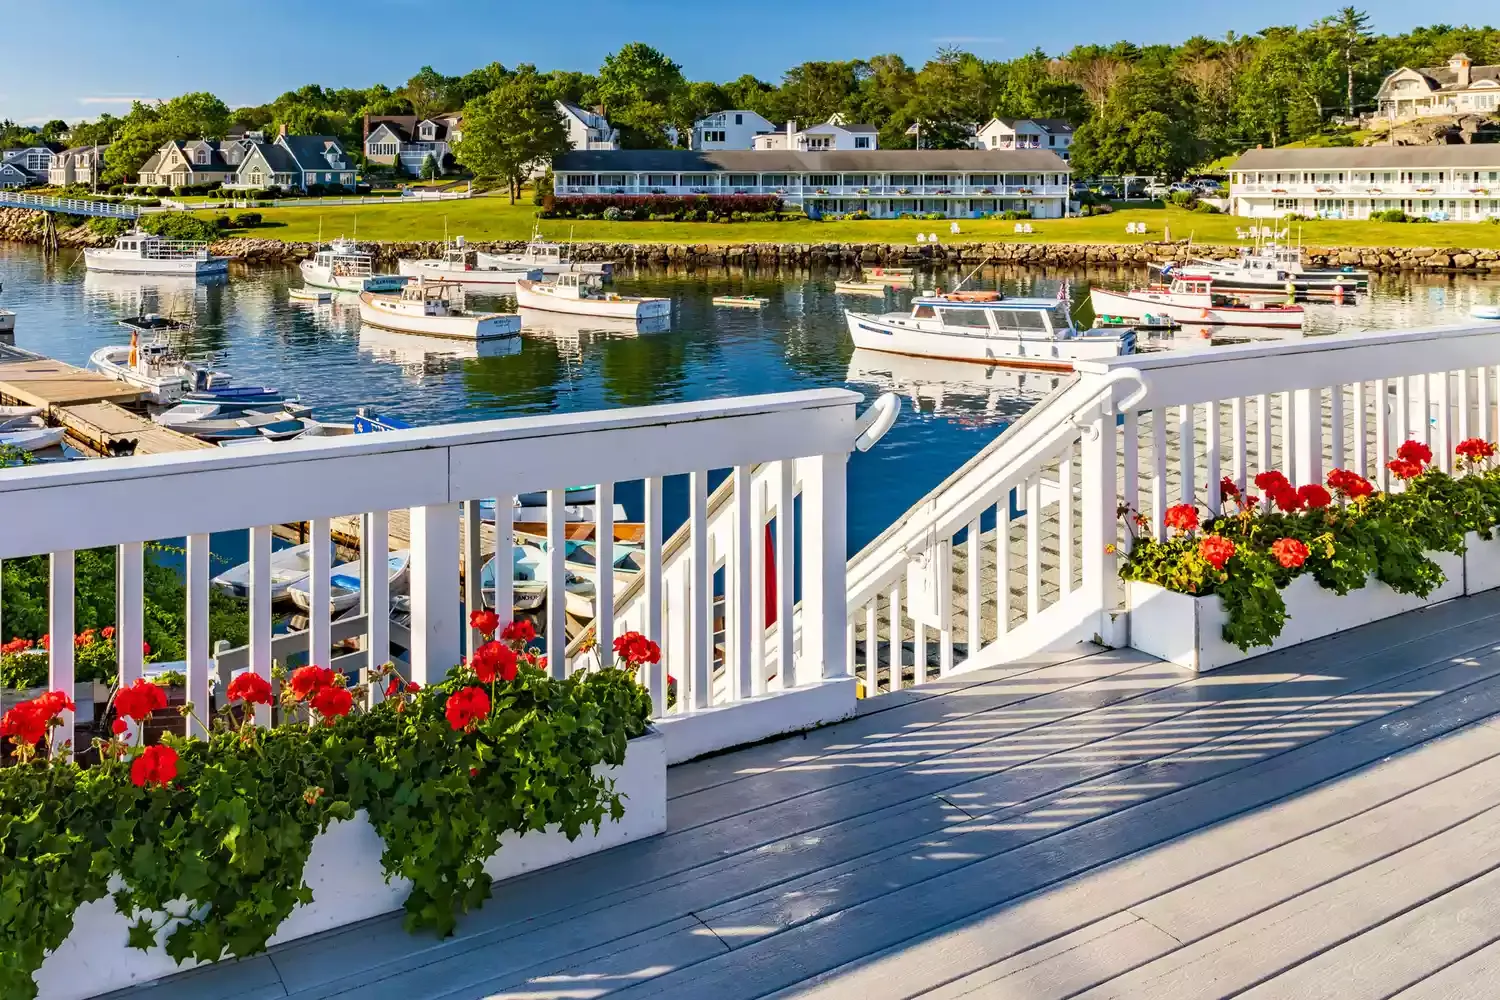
{"points": [[1135, 188], [1208, 186], [1156, 189], [1080, 189], [1179, 186], [1107, 191]]}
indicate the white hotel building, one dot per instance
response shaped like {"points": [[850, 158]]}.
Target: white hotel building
{"points": [[1459, 183], [959, 183]]}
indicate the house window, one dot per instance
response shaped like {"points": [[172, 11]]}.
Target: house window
{"points": [[1052, 140], [739, 119], [714, 136], [861, 142]]}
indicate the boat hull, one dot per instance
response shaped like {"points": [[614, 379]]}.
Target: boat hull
{"points": [[479, 279], [550, 269], [108, 261], [530, 295], [321, 277], [33, 438], [1131, 306], [876, 334], [485, 326], [163, 390]]}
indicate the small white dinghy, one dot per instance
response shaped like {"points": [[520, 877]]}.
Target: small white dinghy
{"points": [[15, 417], [584, 295], [33, 438], [434, 309], [288, 567], [308, 294], [345, 584], [1485, 312]]}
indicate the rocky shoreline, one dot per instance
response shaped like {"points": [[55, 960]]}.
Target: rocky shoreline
{"points": [[23, 226]]}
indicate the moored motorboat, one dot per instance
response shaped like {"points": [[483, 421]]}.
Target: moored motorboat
{"points": [[1191, 298], [890, 275], [581, 295], [138, 252], [494, 275], [154, 367], [434, 309], [344, 267], [989, 328], [305, 294], [344, 584], [550, 258], [1264, 271]]}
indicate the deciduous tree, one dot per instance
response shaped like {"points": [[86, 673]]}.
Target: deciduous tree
{"points": [[510, 129]]}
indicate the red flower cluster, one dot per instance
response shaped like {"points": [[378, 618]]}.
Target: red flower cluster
{"points": [[1414, 451], [250, 688], [485, 621], [1216, 550], [494, 659], [1181, 517], [308, 681], [1351, 484], [398, 683], [1313, 497], [466, 707], [1290, 552], [157, 765], [27, 723], [17, 645], [636, 650], [139, 700], [1475, 450], [1229, 489], [332, 703], [108, 632], [1267, 482], [520, 631]]}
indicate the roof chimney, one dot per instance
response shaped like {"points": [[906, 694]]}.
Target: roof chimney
{"points": [[1459, 64], [281, 131], [791, 133]]}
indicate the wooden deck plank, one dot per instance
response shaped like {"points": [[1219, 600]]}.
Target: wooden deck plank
{"points": [[775, 913], [49, 382], [1470, 978], [1013, 928]]}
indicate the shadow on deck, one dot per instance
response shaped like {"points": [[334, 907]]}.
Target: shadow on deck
{"points": [[1319, 822]]}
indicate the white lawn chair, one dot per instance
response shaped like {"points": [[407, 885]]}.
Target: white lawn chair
{"points": [[1255, 232], [953, 229], [932, 237], [1240, 234], [1019, 229], [1028, 228], [921, 238]]}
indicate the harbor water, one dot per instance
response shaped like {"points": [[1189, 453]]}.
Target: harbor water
{"points": [[248, 327]]}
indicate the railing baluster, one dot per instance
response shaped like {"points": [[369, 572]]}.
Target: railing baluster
{"points": [[60, 630], [700, 594], [872, 649], [739, 590], [1288, 434], [375, 544], [919, 653], [260, 612], [1002, 563], [825, 553], [1187, 457], [1465, 407], [897, 640], [1403, 417], [1336, 424], [676, 644], [1158, 472], [320, 593], [1239, 457], [1262, 433], [1361, 429], [973, 549], [557, 583], [1065, 522], [604, 563], [1382, 433], [197, 634], [1307, 433], [1130, 473], [473, 566], [1033, 545], [1442, 444], [130, 611], [435, 628], [757, 596], [657, 674], [1486, 402], [786, 577], [1212, 435], [1422, 409]]}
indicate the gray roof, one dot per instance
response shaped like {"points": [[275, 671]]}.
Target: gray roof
{"points": [[788, 161], [1371, 157], [1446, 79], [277, 159], [308, 150], [1056, 126]]}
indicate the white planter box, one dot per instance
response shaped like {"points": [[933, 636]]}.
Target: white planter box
{"points": [[1482, 564], [1188, 630], [345, 876]]}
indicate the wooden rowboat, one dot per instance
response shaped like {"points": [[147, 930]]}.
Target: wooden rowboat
{"points": [[861, 287], [741, 301]]}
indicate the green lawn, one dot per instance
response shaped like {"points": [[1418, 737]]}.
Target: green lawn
{"points": [[493, 218]]}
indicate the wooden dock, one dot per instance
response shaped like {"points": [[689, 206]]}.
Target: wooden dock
{"points": [[89, 405]]}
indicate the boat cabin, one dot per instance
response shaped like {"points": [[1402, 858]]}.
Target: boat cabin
{"points": [[148, 246], [575, 285], [543, 253], [990, 314], [432, 298], [345, 259]]}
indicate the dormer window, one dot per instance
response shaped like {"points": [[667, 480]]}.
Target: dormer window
{"points": [[200, 155]]}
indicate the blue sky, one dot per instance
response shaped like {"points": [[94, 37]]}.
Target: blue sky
{"points": [[102, 53]]}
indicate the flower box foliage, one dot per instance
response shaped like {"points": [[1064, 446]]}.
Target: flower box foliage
{"points": [[1342, 535], [227, 822]]}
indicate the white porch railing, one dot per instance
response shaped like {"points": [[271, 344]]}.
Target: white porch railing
{"points": [[1377, 189], [841, 191], [439, 474], [1016, 552]]}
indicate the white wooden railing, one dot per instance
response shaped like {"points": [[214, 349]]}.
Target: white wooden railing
{"points": [[1017, 551], [438, 474]]}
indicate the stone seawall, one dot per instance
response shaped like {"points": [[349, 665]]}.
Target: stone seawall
{"points": [[23, 226]]}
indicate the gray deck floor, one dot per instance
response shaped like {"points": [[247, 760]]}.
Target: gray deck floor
{"points": [[1323, 822]]}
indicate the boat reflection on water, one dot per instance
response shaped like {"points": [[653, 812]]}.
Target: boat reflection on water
{"points": [[583, 328], [430, 355], [149, 292], [965, 392]]}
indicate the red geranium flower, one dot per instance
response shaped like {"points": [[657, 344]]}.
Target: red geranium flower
{"points": [[108, 632], [139, 700], [1267, 482], [466, 707], [492, 659], [1414, 451], [1313, 496], [1290, 552], [156, 765], [308, 681], [1404, 469], [251, 688], [1351, 484], [485, 621], [1287, 498], [45, 642], [1216, 550], [635, 649], [118, 727], [1182, 517], [1475, 450], [27, 723], [519, 631], [394, 687], [1228, 488], [332, 702]]}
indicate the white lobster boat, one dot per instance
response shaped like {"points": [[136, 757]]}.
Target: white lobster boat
{"points": [[988, 328], [481, 276], [434, 309], [1191, 298], [143, 253], [582, 295], [344, 267], [550, 258], [154, 367]]}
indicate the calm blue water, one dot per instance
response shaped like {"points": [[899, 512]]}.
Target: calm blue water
{"points": [[249, 328]]}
